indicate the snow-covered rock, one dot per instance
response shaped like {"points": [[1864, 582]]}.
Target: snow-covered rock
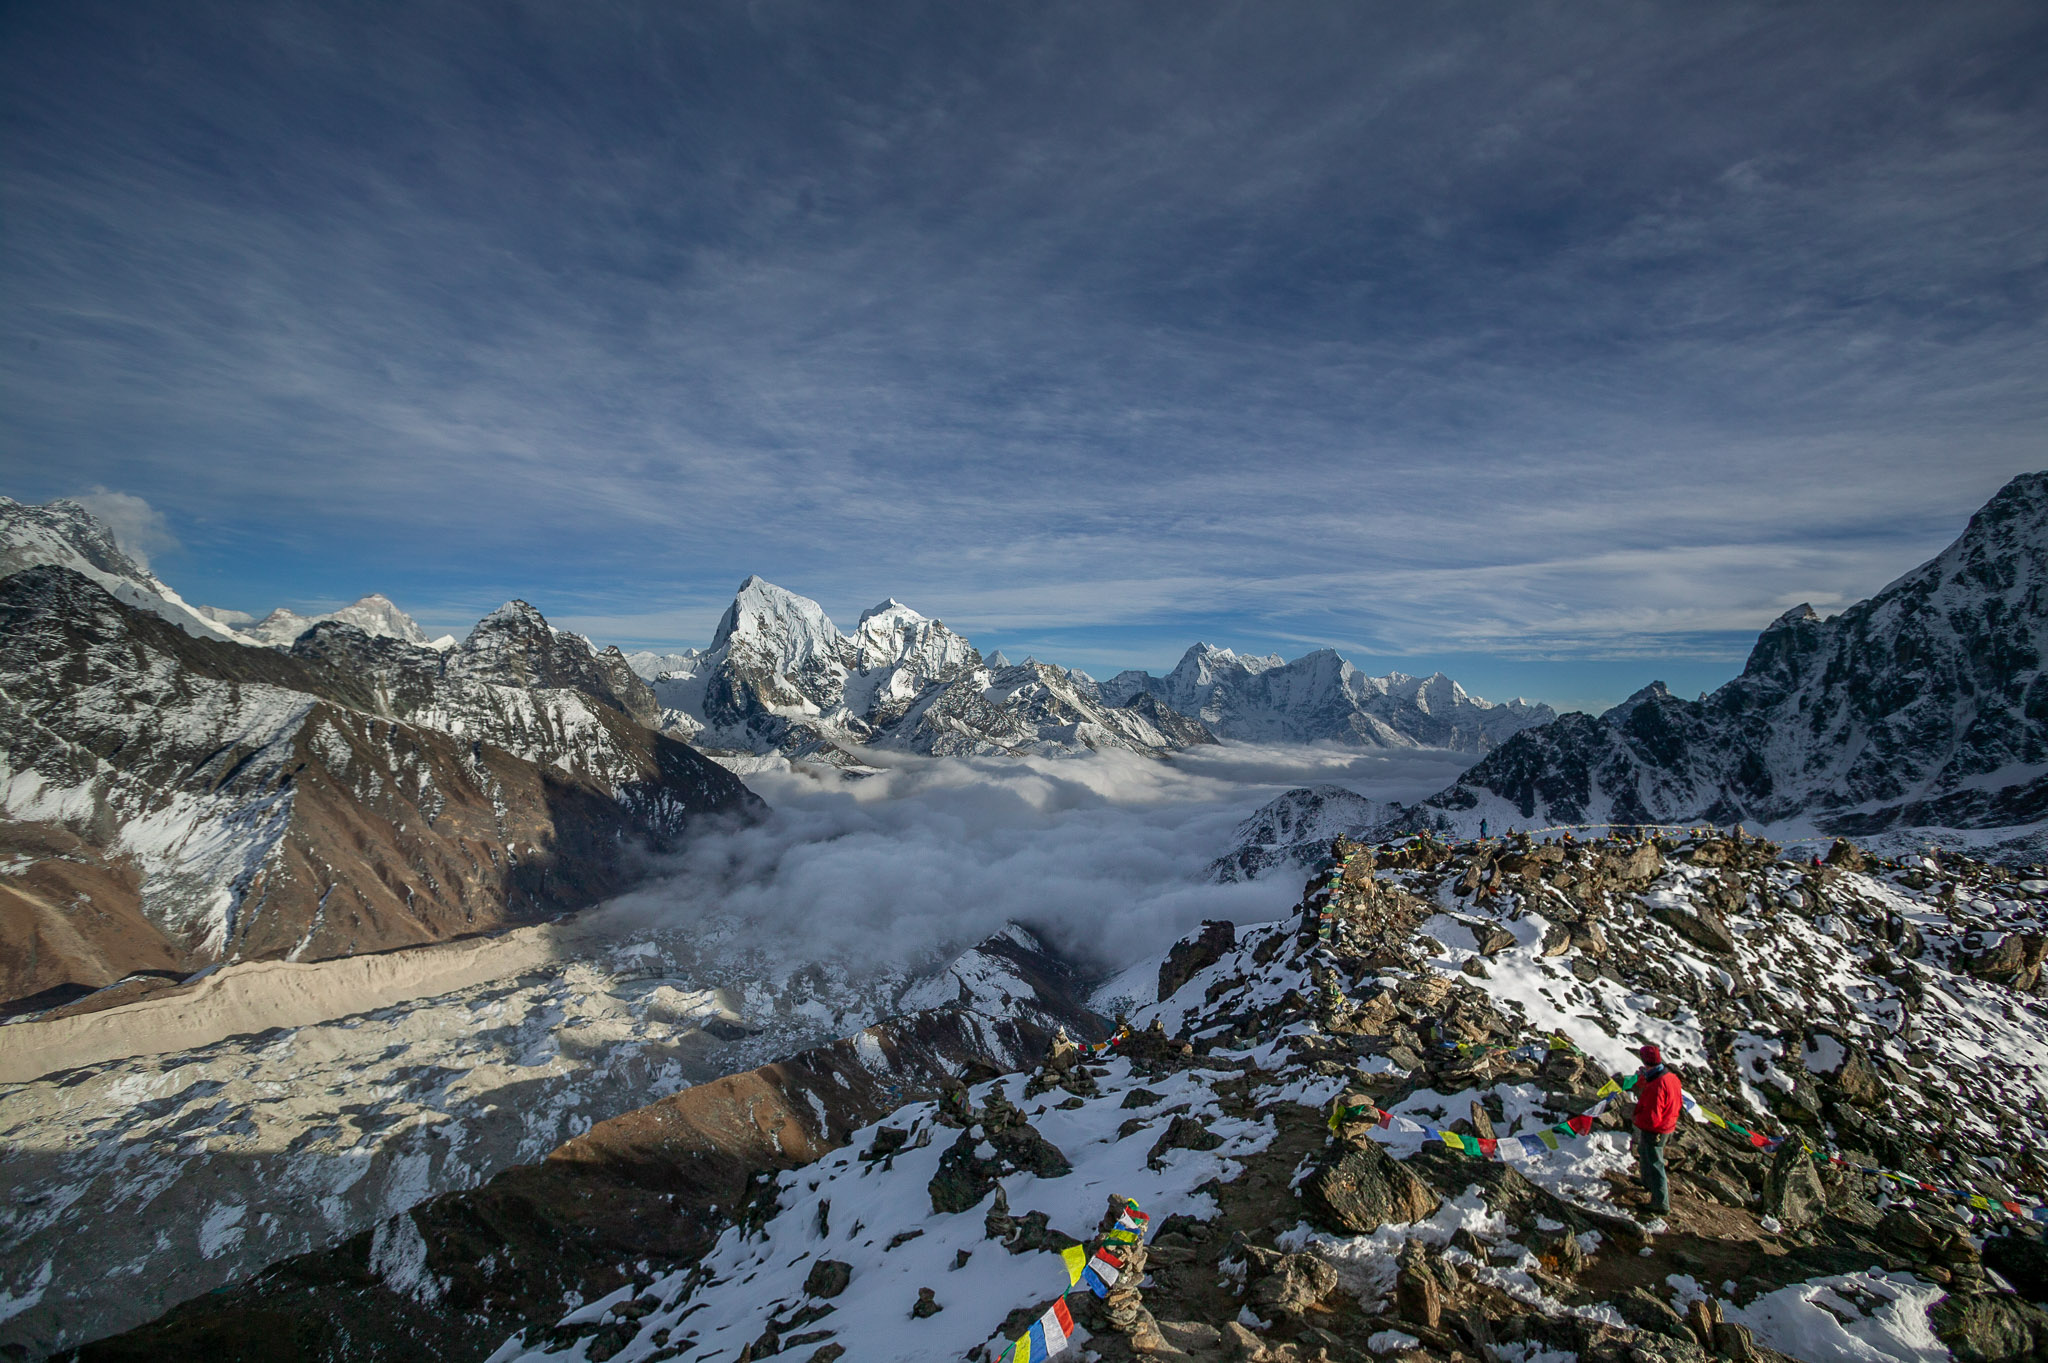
{"points": [[1926, 705], [64, 534], [375, 615], [1295, 829], [780, 677], [1320, 697], [349, 794]]}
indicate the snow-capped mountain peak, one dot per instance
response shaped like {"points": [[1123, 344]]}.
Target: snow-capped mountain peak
{"points": [[64, 534], [781, 677], [793, 630], [1921, 706], [1322, 697], [375, 615]]}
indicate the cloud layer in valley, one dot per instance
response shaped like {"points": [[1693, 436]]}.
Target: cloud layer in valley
{"points": [[1106, 854]]}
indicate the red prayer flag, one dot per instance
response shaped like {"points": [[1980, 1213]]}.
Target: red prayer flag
{"points": [[1579, 1125]]}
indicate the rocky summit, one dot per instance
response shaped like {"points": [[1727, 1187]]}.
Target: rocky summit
{"points": [[1390, 1126], [1924, 706]]}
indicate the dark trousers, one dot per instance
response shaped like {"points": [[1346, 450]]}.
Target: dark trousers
{"points": [[1650, 1169]]}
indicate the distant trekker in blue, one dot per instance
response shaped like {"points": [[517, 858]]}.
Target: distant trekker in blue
{"points": [[1482, 830]]}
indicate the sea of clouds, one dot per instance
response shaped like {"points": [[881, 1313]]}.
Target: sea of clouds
{"points": [[1107, 855]]}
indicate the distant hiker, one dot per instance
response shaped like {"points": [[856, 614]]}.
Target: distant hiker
{"points": [[1657, 1106], [1482, 830]]}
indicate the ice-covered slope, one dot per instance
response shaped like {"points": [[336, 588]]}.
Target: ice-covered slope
{"points": [[780, 677], [65, 535], [1926, 705], [1294, 829], [1321, 697], [256, 1149]]}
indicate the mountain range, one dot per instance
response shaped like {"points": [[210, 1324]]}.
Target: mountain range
{"points": [[779, 676], [175, 797], [1321, 698], [1924, 707]]}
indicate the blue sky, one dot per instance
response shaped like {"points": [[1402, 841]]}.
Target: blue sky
{"points": [[1560, 346]]}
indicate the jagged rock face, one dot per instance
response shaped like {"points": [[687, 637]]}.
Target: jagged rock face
{"points": [[1926, 705], [515, 646], [341, 798], [781, 677], [64, 534], [1322, 698], [1032, 708]]}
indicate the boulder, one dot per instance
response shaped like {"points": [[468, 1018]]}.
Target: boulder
{"points": [[965, 1177], [1792, 1189], [1734, 1342], [1182, 1133], [2021, 1258], [1646, 1311], [1359, 1188], [1417, 1297], [1990, 1329], [1703, 928], [1847, 856], [828, 1278], [1193, 955], [1858, 1080], [2015, 961], [1290, 1284]]}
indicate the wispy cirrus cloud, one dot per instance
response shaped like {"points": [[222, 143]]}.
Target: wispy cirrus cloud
{"points": [[1483, 328]]}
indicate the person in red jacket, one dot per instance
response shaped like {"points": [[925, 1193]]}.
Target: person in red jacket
{"points": [[1657, 1106]]}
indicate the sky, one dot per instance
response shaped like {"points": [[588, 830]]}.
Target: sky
{"points": [[1560, 347]]}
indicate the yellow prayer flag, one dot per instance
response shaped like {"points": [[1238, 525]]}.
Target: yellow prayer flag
{"points": [[1076, 1257]]}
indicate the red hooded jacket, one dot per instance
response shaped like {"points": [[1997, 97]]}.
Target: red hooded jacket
{"points": [[1657, 1101]]}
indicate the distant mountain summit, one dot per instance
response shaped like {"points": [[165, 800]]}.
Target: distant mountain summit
{"points": [[1321, 698], [1925, 706], [781, 678], [375, 615]]}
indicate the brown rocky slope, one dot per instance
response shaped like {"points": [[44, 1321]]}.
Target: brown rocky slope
{"points": [[175, 801]]}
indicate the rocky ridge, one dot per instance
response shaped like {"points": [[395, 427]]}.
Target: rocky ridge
{"points": [[1924, 706], [1870, 1011], [175, 800]]}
